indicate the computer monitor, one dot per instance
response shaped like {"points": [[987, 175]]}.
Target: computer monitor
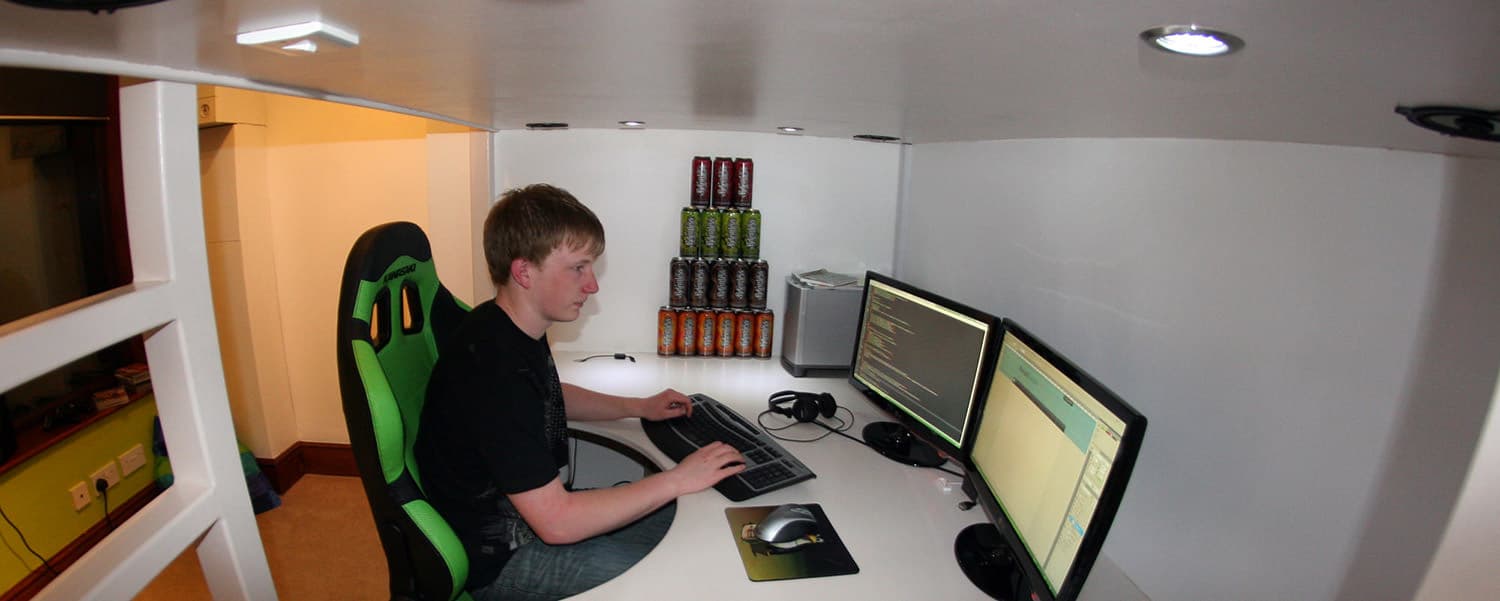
{"points": [[1051, 453], [922, 358]]}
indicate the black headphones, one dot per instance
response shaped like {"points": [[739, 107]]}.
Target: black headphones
{"points": [[804, 406]]}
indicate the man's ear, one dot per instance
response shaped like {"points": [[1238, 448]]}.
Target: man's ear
{"points": [[520, 272]]}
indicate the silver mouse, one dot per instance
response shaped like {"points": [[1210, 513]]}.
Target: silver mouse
{"points": [[786, 523]]}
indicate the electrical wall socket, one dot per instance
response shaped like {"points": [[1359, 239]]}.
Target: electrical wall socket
{"points": [[132, 460], [109, 473], [80, 495]]}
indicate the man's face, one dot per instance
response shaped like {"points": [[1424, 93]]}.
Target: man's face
{"points": [[564, 282]]}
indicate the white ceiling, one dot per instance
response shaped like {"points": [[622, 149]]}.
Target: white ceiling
{"points": [[1326, 72]]}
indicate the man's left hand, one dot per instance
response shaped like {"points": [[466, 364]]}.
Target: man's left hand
{"points": [[666, 404]]}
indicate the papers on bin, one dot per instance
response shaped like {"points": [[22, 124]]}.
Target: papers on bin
{"points": [[822, 278]]}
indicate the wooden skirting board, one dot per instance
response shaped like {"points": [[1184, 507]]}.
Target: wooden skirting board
{"points": [[332, 459]]}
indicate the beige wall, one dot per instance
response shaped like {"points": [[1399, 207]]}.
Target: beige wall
{"points": [[329, 173]]}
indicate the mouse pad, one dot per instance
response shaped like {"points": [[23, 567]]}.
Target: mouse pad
{"points": [[820, 554]]}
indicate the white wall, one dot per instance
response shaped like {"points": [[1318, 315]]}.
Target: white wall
{"points": [[825, 203], [1311, 332]]}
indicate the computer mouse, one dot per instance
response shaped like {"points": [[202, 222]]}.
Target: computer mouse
{"points": [[786, 523]]}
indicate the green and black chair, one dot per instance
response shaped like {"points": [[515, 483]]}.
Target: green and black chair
{"points": [[394, 315]]}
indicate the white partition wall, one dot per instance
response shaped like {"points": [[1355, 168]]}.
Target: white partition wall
{"points": [[170, 303]]}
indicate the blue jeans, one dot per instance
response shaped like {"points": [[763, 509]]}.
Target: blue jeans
{"points": [[539, 571]]}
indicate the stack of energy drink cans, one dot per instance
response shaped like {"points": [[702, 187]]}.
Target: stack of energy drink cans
{"points": [[718, 283]]}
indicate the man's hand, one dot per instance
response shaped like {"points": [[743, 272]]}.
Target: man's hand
{"points": [[706, 467], [666, 404]]}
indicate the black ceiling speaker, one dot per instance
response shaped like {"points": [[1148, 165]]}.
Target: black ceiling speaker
{"points": [[93, 6], [1455, 121]]}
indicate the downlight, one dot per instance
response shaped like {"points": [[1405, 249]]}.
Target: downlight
{"points": [[1191, 40], [1455, 121]]}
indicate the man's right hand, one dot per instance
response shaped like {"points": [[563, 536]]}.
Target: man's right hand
{"points": [[706, 467]]}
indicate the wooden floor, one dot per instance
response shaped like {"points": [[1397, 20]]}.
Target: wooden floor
{"points": [[320, 543]]}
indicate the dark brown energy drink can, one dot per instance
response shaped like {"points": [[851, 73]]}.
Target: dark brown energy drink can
{"points": [[708, 331], [739, 283], [724, 342], [765, 330], [666, 331], [687, 332], [744, 178], [719, 280], [723, 182], [702, 184], [677, 293], [760, 283], [698, 297], [744, 333]]}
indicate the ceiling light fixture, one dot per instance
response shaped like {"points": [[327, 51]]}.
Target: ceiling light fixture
{"points": [[299, 38], [1191, 40], [789, 130], [632, 124]]}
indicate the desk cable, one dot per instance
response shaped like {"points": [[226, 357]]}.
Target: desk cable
{"points": [[842, 426], [617, 356]]}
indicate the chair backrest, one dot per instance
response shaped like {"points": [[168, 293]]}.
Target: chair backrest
{"points": [[394, 315]]}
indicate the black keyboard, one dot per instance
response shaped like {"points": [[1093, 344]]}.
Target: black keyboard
{"points": [[767, 465]]}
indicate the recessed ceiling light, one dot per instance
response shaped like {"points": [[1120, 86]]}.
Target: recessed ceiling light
{"points": [[299, 38], [632, 124], [1191, 40], [789, 130]]}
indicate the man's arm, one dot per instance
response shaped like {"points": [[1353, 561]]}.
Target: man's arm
{"points": [[589, 405], [561, 517]]}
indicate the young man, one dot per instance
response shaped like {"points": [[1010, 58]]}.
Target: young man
{"points": [[493, 433]]}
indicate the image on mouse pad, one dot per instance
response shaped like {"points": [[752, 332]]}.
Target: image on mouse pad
{"points": [[778, 542]]}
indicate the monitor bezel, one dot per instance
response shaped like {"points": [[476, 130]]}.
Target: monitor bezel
{"points": [[1109, 498], [993, 328]]}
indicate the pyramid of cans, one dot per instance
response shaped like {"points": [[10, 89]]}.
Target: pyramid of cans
{"points": [[718, 282]]}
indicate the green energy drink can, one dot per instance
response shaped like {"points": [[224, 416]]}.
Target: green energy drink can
{"points": [[709, 222], [729, 234], [691, 232], [750, 234]]}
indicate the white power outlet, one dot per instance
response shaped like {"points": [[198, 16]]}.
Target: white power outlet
{"points": [[80, 495], [132, 460], [109, 473]]}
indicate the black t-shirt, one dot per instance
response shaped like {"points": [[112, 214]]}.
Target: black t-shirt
{"points": [[493, 425]]}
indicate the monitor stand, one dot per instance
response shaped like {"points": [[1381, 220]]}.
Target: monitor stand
{"points": [[988, 562], [897, 443]]}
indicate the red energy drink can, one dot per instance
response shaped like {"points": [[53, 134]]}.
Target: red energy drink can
{"points": [[765, 329], [698, 297], [739, 284], [760, 283], [723, 196], [666, 331], [702, 184], [744, 178], [724, 342], [687, 332], [681, 284], [708, 332], [719, 280], [744, 333]]}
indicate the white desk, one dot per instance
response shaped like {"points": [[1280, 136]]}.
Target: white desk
{"points": [[896, 520]]}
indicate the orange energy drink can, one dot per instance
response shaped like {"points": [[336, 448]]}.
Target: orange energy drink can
{"points": [[707, 331], [744, 334], [724, 343], [765, 329], [687, 332], [666, 331]]}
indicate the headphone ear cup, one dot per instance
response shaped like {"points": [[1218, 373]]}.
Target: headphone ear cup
{"points": [[826, 405], [806, 409]]}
